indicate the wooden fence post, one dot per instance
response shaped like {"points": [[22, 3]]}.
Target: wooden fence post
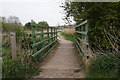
{"points": [[13, 45]]}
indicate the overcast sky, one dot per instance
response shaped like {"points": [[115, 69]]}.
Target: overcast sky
{"points": [[38, 10]]}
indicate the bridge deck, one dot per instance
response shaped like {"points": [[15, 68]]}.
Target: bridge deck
{"points": [[63, 62]]}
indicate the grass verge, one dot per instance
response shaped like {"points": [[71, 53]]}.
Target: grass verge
{"points": [[68, 36]]}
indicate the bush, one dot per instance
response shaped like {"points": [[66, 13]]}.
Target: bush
{"points": [[19, 68], [104, 66]]}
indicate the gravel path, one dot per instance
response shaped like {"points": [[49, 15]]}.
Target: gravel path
{"points": [[62, 62]]}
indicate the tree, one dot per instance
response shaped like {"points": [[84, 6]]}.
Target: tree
{"points": [[11, 24], [2, 19], [27, 25], [43, 23], [13, 20], [101, 16], [32, 21]]}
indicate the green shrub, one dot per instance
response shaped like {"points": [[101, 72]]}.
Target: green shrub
{"points": [[104, 66]]}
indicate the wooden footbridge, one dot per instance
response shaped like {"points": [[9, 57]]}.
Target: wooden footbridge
{"points": [[64, 60], [51, 40]]}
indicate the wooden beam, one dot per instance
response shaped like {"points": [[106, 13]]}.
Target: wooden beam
{"points": [[13, 45]]}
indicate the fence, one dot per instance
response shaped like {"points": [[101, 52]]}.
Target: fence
{"points": [[46, 43], [81, 38]]}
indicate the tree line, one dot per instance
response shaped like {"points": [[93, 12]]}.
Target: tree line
{"points": [[13, 22]]}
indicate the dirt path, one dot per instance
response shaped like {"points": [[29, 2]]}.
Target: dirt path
{"points": [[63, 63]]}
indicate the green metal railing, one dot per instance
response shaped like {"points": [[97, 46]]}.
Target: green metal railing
{"points": [[47, 42], [82, 37]]}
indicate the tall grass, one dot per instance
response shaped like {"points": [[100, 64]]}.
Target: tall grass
{"points": [[69, 31]]}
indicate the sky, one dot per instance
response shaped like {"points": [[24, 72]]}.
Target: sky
{"points": [[38, 10]]}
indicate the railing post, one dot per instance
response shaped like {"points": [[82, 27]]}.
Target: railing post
{"points": [[82, 36], [54, 34], [51, 34], [42, 36], [86, 39], [13, 46], [48, 36], [34, 38], [87, 33], [82, 31]]}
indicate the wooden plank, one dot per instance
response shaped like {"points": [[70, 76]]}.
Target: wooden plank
{"points": [[13, 45]]}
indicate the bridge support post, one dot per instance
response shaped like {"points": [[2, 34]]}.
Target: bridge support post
{"points": [[13, 46], [34, 38]]}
